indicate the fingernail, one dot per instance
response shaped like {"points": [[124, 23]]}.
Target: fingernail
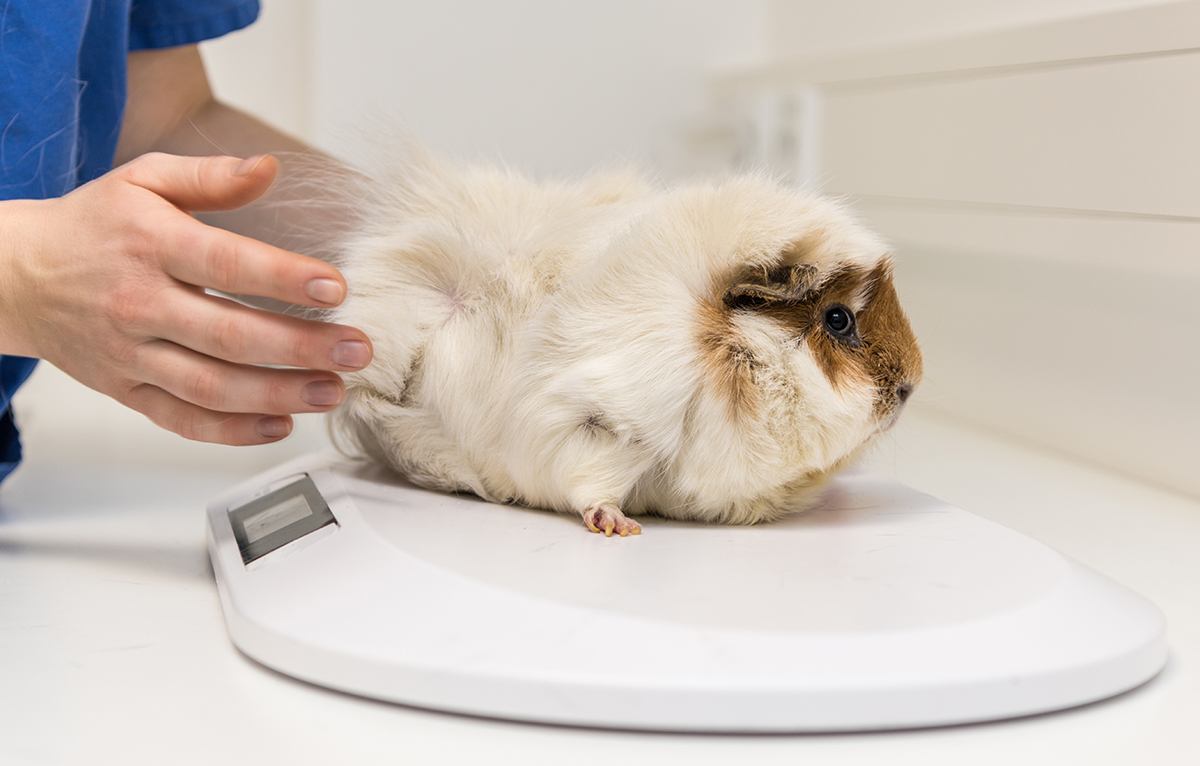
{"points": [[274, 427], [327, 291], [247, 166], [322, 393], [351, 353]]}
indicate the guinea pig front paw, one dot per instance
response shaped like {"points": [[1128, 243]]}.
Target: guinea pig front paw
{"points": [[607, 518]]}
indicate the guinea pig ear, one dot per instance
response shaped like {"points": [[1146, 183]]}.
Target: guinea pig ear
{"points": [[762, 285]]}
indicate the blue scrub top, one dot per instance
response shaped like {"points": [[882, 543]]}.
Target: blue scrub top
{"points": [[62, 96]]}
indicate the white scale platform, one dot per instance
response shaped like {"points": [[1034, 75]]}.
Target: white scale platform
{"points": [[884, 608]]}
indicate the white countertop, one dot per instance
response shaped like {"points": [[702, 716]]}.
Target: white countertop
{"points": [[113, 647]]}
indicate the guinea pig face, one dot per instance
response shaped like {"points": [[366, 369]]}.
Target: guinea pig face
{"points": [[853, 327], [833, 353]]}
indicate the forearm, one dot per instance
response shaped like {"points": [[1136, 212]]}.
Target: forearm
{"points": [[217, 128], [171, 108]]}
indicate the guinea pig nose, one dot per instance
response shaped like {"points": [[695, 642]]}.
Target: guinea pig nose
{"points": [[903, 391]]}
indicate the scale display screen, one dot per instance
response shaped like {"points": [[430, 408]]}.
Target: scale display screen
{"points": [[277, 518]]}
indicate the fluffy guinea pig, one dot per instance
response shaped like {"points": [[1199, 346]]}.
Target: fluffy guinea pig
{"points": [[610, 348]]}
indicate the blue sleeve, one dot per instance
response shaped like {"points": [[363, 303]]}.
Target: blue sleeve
{"points": [[167, 23], [13, 372]]}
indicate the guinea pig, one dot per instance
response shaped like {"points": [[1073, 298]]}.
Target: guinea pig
{"points": [[611, 347]]}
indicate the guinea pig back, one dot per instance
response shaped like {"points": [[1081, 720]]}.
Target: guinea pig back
{"points": [[610, 348]]}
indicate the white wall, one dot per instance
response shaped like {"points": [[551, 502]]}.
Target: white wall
{"points": [[807, 27], [267, 68], [550, 87]]}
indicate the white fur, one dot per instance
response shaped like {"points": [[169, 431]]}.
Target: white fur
{"points": [[507, 314]]}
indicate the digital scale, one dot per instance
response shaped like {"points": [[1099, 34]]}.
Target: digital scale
{"points": [[882, 608]]}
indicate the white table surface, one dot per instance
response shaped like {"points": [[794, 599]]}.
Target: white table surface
{"points": [[113, 647]]}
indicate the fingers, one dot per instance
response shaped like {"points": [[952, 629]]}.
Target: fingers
{"points": [[199, 424], [227, 330], [202, 184], [213, 258], [221, 386], [211, 400]]}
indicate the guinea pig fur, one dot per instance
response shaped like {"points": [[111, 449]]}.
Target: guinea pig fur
{"points": [[607, 347]]}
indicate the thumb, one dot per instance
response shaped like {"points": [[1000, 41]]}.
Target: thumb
{"points": [[201, 184]]}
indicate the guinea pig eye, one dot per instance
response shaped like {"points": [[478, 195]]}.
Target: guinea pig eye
{"points": [[839, 321]]}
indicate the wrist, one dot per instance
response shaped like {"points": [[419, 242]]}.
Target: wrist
{"points": [[18, 231]]}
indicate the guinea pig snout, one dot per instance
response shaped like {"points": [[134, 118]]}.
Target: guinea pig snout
{"points": [[888, 411], [891, 402]]}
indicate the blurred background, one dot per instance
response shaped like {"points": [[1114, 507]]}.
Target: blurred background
{"points": [[1035, 163]]}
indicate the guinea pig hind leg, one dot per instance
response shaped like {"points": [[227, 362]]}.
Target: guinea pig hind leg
{"points": [[596, 475], [607, 518]]}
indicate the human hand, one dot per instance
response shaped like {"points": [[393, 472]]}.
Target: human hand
{"points": [[108, 284]]}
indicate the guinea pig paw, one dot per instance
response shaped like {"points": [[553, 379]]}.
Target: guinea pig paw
{"points": [[607, 518]]}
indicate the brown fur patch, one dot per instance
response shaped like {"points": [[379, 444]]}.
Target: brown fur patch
{"points": [[728, 365], [893, 356]]}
